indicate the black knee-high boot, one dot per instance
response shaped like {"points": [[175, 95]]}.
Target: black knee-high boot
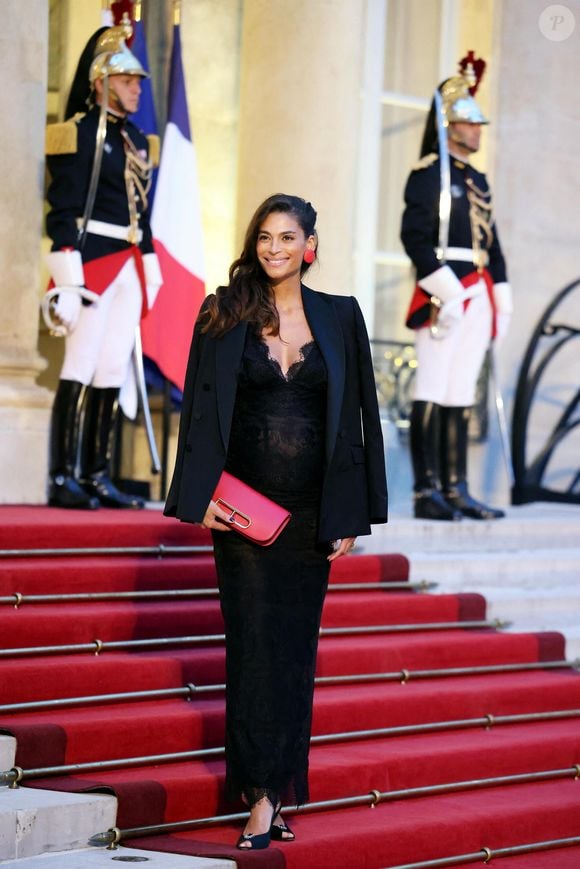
{"points": [[100, 415], [424, 438], [64, 488], [454, 424]]}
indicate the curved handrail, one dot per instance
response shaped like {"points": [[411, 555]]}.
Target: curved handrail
{"points": [[547, 342]]}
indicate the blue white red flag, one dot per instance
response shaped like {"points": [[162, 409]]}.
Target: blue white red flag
{"points": [[145, 117], [177, 232]]}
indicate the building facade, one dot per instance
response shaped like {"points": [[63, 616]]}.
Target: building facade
{"points": [[322, 98]]}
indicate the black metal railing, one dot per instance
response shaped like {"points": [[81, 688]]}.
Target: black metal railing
{"points": [[394, 365], [547, 406]]}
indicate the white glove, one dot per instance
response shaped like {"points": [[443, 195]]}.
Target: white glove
{"points": [[502, 294], [502, 326], [153, 277], [444, 286], [61, 306], [67, 308], [66, 268], [450, 313], [443, 283]]}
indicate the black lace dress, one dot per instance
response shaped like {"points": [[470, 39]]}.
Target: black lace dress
{"points": [[271, 597]]}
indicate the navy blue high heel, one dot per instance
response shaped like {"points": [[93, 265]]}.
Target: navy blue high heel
{"points": [[277, 831], [258, 841]]}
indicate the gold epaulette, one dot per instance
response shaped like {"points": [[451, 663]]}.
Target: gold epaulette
{"points": [[62, 138], [154, 149], [425, 161]]}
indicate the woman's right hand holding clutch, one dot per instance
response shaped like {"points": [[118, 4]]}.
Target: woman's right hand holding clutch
{"points": [[216, 518]]}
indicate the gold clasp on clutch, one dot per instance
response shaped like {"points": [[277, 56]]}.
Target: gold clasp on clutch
{"points": [[234, 512]]}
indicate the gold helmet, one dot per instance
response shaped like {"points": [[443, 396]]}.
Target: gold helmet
{"points": [[112, 57], [458, 91]]}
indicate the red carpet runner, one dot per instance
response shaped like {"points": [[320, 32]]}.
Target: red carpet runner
{"points": [[397, 831]]}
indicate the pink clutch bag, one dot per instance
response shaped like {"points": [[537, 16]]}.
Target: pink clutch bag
{"points": [[251, 514]]}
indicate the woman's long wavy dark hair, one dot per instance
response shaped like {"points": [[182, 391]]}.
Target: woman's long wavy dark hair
{"points": [[248, 296]]}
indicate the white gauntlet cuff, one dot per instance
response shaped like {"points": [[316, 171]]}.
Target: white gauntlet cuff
{"points": [[66, 268], [502, 294], [153, 277], [443, 283]]}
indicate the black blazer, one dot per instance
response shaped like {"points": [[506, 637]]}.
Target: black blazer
{"points": [[354, 492]]}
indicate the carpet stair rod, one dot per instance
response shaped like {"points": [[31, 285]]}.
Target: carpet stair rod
{"points": [[16, 599], [485, 855], [113, 836], [161, 550], [97, 646], [14, 776], [497, 624], [189, 691]]}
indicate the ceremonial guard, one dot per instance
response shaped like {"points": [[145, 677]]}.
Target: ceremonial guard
{"points": [[104, 271], [462, 300]]}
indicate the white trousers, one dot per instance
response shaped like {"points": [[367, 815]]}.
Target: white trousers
{"points": [[448, 368], [98, 352]]}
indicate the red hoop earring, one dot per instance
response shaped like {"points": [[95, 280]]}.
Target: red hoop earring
{"points": [[309, 255]]}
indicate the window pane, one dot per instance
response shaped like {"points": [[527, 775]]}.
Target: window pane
{"points": [[393, 289], [412, 46], [402, 130]]}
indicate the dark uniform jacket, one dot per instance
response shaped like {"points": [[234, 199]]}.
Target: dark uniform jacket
{"points": [[71, 173], [354, 491], [420, 224]]}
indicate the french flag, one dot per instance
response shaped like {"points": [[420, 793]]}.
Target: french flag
{"points": [[145, 117], [177, 232]]}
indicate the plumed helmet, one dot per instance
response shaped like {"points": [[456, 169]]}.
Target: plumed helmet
{"points": [[458, 93], [458, 101], [112, 57]]}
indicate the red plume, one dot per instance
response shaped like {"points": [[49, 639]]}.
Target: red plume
{"points": [[123, 7], [478, 66]]}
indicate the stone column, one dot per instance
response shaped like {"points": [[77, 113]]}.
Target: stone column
{"points": [[299, 115], [210, 37], [24, 406], [536, 175]]}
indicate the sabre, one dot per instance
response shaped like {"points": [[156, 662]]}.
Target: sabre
{"points": [[97, 160], [142, 390], [501, 417], [445, 174], [444, 201]]}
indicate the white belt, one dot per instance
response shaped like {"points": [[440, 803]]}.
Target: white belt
{"points": [[112, 230], [464, 255]]}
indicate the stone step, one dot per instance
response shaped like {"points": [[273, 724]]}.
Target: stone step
{"points": [[528, 569], [101, 858], [572, 634], [7, 752], [534, 590], [34, 821], [527, 565], [562, 601], [535, 614], [568, 627], [531, 526]]}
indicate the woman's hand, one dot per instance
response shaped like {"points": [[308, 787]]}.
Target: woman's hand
{"points": [[343, 548], [215, 518]]}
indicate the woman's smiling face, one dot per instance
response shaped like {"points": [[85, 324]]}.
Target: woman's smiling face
{"points": [[280, 246]]}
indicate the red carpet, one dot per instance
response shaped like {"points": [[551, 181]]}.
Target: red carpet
{"points": [[402, 831], [408, 831]]}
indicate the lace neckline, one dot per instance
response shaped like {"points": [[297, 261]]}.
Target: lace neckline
{"points": [[294, 366]]}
